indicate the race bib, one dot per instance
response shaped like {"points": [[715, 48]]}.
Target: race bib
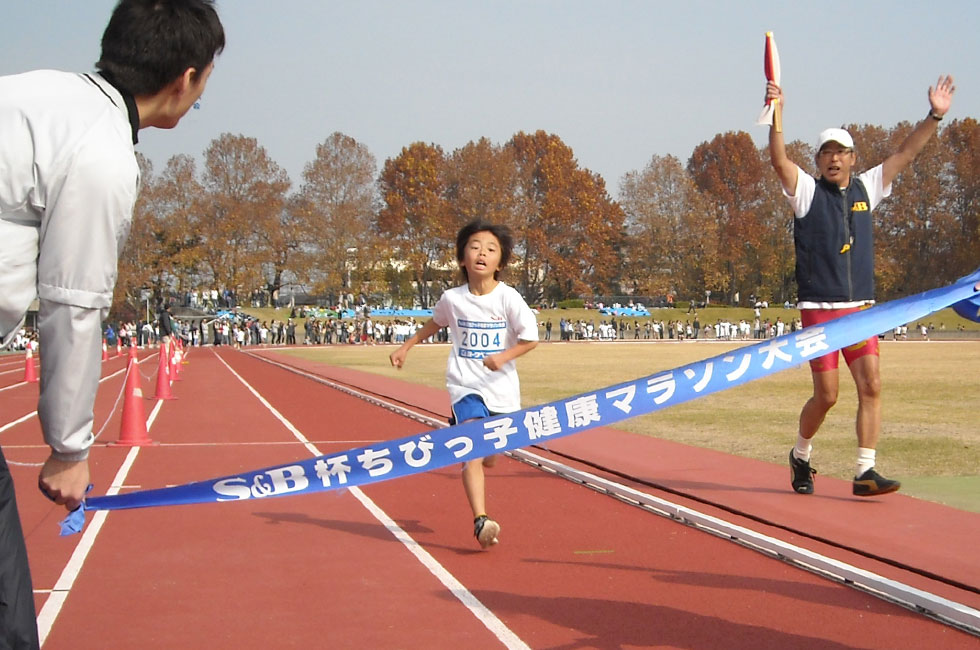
{"points": [[480, 339]]}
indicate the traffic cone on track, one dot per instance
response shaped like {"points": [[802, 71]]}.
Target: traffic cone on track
{"points": [[118, 347], [163, 375], [133, 432], [30, 373], [133, 353], [105, 351]]}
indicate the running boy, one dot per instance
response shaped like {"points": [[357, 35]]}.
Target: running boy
{"points": [[490, 325]]}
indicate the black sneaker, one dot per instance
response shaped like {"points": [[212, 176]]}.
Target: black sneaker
{"points": [[486, 530], [871, 483], [801, 474]]}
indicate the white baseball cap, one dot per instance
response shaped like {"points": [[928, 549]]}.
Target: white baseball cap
{"points": [[835, 135]]}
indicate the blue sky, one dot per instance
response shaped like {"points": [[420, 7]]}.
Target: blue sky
{"points": [[618, 81]]}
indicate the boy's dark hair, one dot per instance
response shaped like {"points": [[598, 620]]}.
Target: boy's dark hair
{"points": [[501, 232], [150, 43]]}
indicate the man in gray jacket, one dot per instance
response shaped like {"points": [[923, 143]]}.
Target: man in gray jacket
{"points": [[68, 184]]}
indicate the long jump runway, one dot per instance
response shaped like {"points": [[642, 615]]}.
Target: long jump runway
{"points": [[395, 565]]}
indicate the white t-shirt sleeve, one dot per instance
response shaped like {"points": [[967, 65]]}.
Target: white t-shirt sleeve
{"points": [[872, 180], [802, 197], [442, 312], [526, 325]]}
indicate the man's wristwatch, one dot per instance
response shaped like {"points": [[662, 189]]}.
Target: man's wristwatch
{"points": [[934, 116]]}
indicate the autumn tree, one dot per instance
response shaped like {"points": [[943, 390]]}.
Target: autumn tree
{"points": [[960, 141], [912, 222], [334, 210], [139, 254], [279, 246], [569, 231], [178, 197], [242, 214], [481, 180], [731, 172], [164, 248], [590, 257], [672, 244], [415, 220]]}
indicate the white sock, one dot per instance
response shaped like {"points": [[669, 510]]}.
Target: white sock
{"points": [[866, 460], [803, 448]]}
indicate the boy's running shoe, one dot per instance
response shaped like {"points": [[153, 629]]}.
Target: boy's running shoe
{"points": [[486, 530], [801, 474], [871, 483]]}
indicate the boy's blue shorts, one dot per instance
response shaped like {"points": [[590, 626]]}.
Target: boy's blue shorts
{"points": [[470, 407]]}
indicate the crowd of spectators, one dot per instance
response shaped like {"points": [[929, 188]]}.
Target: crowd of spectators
{"points": [[325, 331], [308, 326], [23, 339], [240, 330], [652, 329]]}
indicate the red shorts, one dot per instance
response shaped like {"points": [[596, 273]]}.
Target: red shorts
{"points": [[831, 361]]}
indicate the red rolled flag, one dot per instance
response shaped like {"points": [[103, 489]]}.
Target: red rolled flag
{"points": [[770, 115]]}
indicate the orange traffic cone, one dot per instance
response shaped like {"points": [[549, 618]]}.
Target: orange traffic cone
{"points": [[105, 351], [133, 432], [118, 347], [132, 352], [30, 374], [163, 375]]}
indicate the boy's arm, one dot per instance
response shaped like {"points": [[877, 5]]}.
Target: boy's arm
{"points": [[940, 99], [785, 168], [397, 357], [497, 361]]}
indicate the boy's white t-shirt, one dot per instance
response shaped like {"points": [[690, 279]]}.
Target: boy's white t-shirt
{"points": [[480, 326]]}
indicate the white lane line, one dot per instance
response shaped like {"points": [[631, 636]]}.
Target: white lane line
{"points": [[14, 370], [497, 627], [59, 593], [14, 423], [20, 383], [487, 617]]}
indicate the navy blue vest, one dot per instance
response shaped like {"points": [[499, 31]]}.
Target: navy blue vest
{"points": [[834, 252]]}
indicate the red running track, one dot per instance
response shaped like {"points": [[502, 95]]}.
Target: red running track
{"points": [[574, 569]]}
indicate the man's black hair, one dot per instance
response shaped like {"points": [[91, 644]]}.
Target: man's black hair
{"points": [[501, 232], [150, 43]]}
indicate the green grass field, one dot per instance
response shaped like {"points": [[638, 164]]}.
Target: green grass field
{"points": [[931, 390]]}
